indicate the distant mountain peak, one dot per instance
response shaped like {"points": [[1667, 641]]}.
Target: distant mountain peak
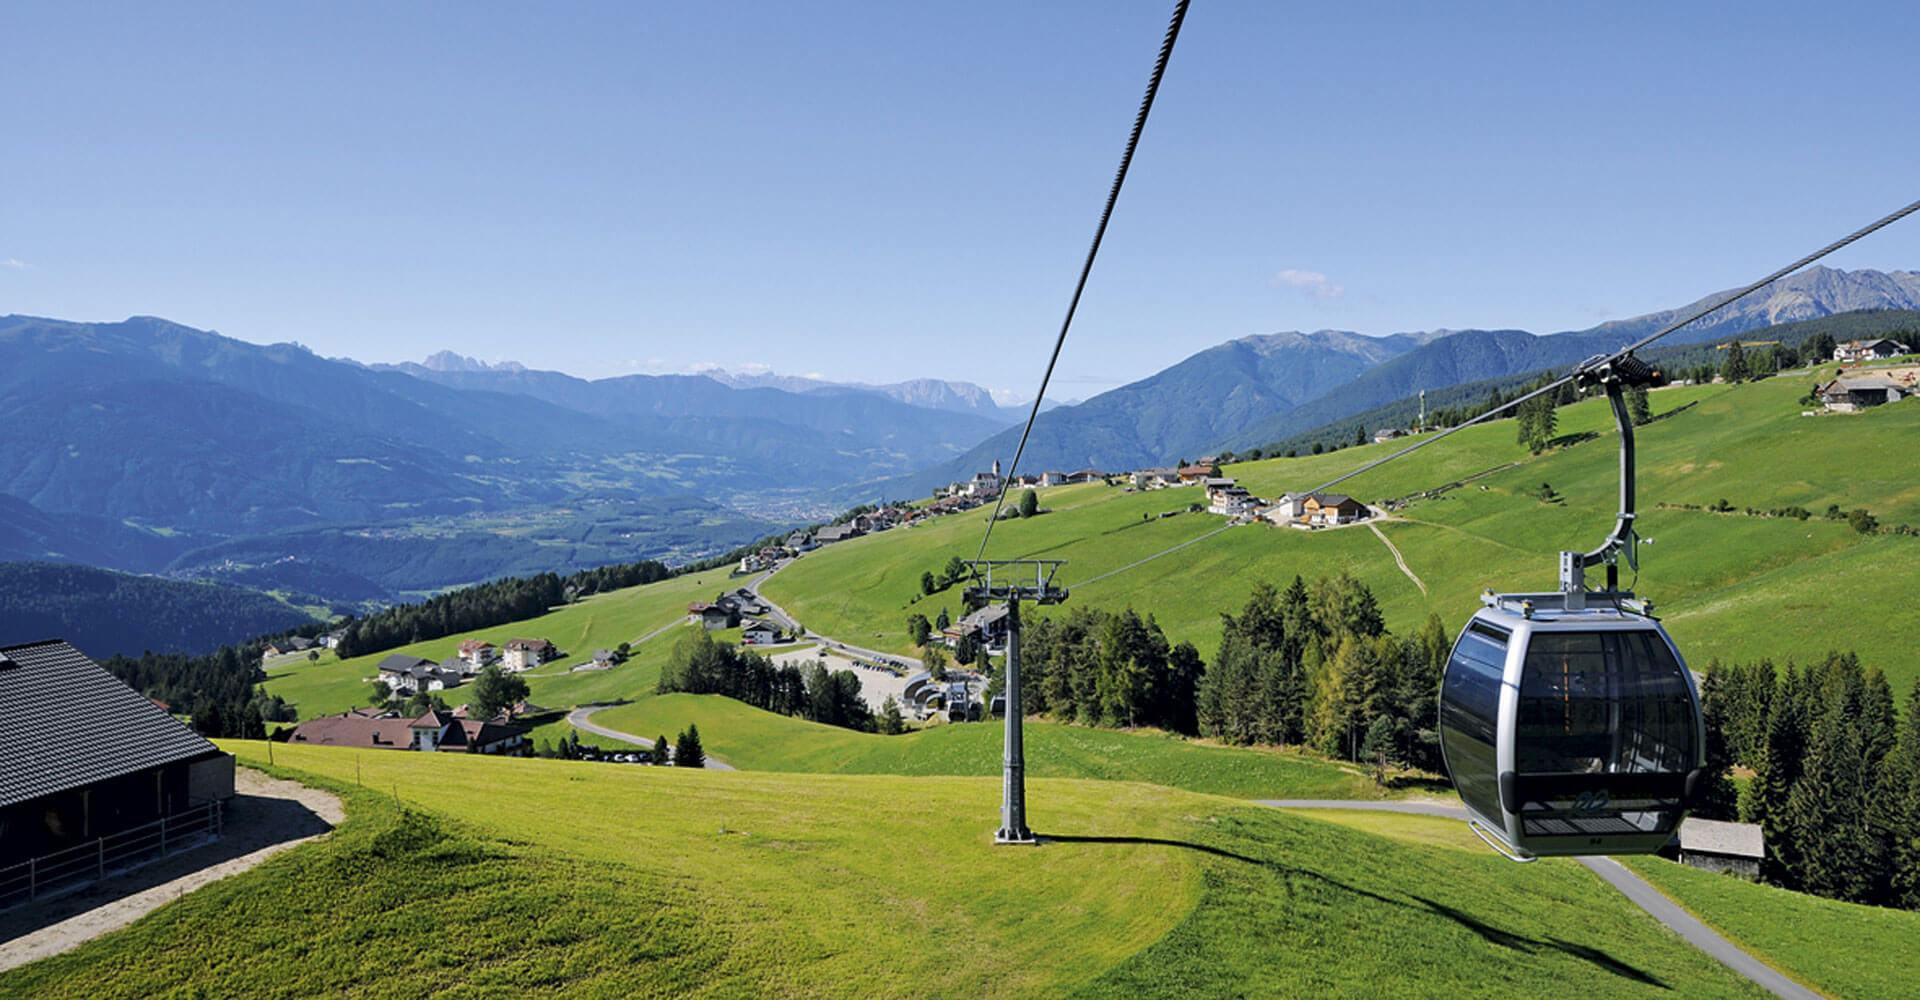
{"points": [[448, 361]]}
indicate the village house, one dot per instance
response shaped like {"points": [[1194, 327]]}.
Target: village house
{"points": [[525, 654], [1153, 479], [603, 658], [86, 757], [433, 731], [1291, 507], [1085, 476], [758, 633], [1190, 474], [1387, 434], [838, 533], [1868, 350], [294, 644], [987, 625], [404, 675], [1850, 395], [800, 541], [1327, 509], [332, 639], [1227, 498], [1053, 478], [477, 653]]}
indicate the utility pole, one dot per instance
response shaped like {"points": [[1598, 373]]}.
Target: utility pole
{"points": [[1013, 587]]}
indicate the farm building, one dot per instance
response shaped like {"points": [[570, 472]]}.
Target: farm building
{"points": [[1848, 395], [1722, 847], [1868, 350], [89, 764]]}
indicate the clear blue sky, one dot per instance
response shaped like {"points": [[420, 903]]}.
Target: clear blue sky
{"points": [[892, 190]]}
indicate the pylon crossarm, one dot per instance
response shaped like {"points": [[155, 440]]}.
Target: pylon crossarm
{"points": [[1016, 580]]}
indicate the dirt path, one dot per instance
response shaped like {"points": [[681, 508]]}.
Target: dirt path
{"points": [[1396, 556], [265, 816]]}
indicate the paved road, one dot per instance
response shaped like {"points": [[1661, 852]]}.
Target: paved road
{"points": [[1632, 886], [786, 619], [579, 720]]}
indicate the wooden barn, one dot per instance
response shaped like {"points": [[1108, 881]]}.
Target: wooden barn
{"points": [[89, 766]]}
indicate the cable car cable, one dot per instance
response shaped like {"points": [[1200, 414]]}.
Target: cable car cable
{"points": [[1588, 365], [1086, 269]]}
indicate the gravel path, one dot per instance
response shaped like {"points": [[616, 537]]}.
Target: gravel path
{"points": [[265, 816], [1635, 888]]}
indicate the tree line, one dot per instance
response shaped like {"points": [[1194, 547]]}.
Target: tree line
{"points": [[1104, 668], [700, 665], [486, 605], [1317, 666], [1836, 784], [218, 690], [1311, 665]]}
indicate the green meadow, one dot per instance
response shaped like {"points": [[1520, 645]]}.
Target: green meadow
{"points": [[1852, 954], [1731, 586], [458, 876], [749, 738], [601, 621]]}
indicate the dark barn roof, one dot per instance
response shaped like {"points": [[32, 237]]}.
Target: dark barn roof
{"points": [[68, 724]]}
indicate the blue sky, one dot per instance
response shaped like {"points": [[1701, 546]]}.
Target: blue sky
{"points": [[877, 192]]}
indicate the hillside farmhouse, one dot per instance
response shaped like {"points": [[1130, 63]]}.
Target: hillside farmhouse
{"points": [[1325, 509], [1722, 847], [408, 675], [1150, 479], [478, 653], [1868, 350], [86, 757], [1850, 395], [432, 731], [987, 625]]}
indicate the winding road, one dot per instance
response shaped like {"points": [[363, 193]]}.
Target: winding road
{"points": [[1635, 888], [578, 719]]}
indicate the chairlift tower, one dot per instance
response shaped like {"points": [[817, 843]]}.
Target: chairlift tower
{"points": [[1012, 581]]}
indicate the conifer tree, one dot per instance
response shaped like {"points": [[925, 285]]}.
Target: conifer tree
{"points": [[1828, 809], [1896, 814], [687, 751]]}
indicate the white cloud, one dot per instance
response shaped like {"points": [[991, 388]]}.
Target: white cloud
{"points": [[15, 263], [1309, 283]]}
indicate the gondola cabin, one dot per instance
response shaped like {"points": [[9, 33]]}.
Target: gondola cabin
{"points": [[1570, 731]]}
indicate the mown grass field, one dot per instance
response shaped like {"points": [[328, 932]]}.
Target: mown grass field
{"points": [[602, 621], [747, 737], [498, 878], [1840, 949], [1731, 586]]}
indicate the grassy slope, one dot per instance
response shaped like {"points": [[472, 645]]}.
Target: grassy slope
{"points": [[750, 738], [1859, 951], [599, 622], [1732, 586], [661, 882]]}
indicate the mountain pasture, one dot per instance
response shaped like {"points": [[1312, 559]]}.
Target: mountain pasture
{"points": [[665, 882]]}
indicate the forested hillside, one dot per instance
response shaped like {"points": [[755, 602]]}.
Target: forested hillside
{"points": [[103, 612]]}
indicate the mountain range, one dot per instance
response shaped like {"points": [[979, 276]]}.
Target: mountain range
{"points": [[149, 446], [1256, 390]]}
